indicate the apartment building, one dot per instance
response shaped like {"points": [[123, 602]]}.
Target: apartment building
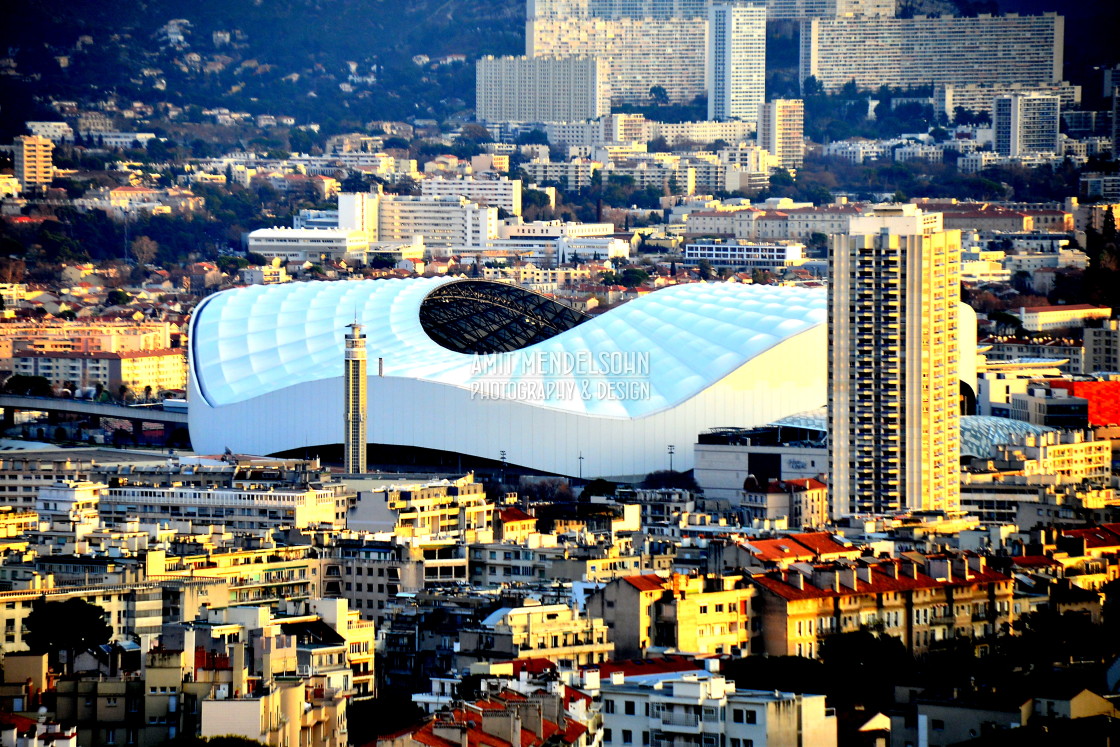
{"points": [[575, 174], [894, 432], [433, 509], [920, 602], [1049, 318], [910, 52], [694, 710], [503, 193], [1026, 124], [978, 97], [1102, 347], [781, 130], [736, 59], [800, 10], [442, 221], [138, 371], [33, 166], [696, 614], [744, 254], [1070, 456], [370, 574], [537, 631], [542, 88], [625, 33]]}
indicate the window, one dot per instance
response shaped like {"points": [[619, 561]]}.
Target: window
{"points": [[737, 715], [628, 707], [750, 717], [608, 706], [607, 736], [937, 724], [627, 736]]}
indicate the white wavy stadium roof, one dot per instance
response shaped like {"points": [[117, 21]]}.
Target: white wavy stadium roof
{"points": [[252, 341]]}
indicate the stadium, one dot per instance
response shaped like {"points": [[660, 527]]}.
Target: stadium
{"points": [[486, 370]]}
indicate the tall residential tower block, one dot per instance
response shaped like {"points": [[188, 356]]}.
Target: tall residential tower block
{"points": [[736, 59], [893, 374], [354, 382]]}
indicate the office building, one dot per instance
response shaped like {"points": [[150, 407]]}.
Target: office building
{"points": [[736, 59], [33, 166], [908, 52], [542, 89], [1026, 125], [781, 131], [652, 44], [354, 383], [894, 431]]}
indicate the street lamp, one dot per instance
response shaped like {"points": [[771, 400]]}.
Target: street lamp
{"points": [[581, 466], [502, 453], [672, 450]]}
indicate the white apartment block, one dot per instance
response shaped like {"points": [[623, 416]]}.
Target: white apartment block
{"points": [[442, 221], [244, 509], [56, 132], [501, 193], [733, 132], [740, 254], [113, 140], [907, 52], [736, 59], [978, 97], [569, 174], [894, 411], [800, 10], [781, 130], [1026, 124], [649, 43], [856, 151], [705, 710], [542, 89]]}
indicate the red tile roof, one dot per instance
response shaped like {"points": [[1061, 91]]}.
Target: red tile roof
{"points": [[515, 514], [638, 667], [1033, 561], [1106, 535], [880, 582], [648, 582]]}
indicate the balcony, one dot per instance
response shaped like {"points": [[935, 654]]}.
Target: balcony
{"points": [[689, 722]]}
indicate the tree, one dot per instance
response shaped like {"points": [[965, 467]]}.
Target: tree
{"points": [[704, 269], [118, 298], [72, 626], [659, 95], [144, 249], [31, 386]]}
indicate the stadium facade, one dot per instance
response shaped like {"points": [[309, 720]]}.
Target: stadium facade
{"points": [[481, 368]]}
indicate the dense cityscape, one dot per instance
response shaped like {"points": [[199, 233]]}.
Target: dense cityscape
{"points": [[559, 373]]}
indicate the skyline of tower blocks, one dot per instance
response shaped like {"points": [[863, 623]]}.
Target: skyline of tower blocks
{"points": [[354, 383], [893, 379]]}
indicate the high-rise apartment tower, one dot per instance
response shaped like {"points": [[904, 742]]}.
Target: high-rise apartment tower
{"points": [[781, 130], [33, 166], [1026, 124], [355, 405], [893, 403], [736, 59]]}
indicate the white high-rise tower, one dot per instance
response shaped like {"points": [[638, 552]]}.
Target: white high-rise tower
{"points": [[736, 59], [355, 384]]}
